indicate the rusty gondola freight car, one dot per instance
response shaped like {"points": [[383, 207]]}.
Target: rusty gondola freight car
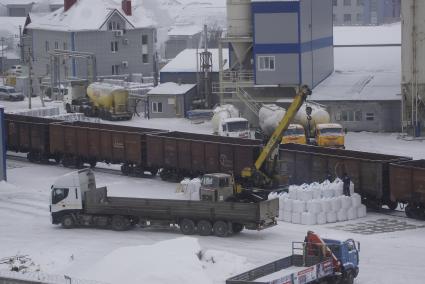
{"points": [[77, 143], [368, 171], [181, 154], [27, 134], [407, 186]]}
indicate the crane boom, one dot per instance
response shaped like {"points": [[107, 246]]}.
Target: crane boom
{"points": [[276, 137]]}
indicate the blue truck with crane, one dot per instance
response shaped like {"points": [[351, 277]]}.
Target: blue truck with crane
{"points": [[315, 260]]}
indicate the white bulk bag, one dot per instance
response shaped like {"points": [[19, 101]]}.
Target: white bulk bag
{"points": [[345, 202], [342, 215], [296, 218], [298, 206], [293, 189], [326, 204], [321, 218], [352, 213], [331, 217], [314, 206], [308, 218], [361, 211], [287, 216], [356, 200], [336, 204], [287, 205]]}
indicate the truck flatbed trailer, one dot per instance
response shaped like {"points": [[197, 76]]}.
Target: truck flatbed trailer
{"points": [[314, 261], [75, 201], [253, 216]]}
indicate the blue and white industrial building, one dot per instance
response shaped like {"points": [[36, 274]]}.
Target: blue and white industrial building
{"points": [[292, 41]]}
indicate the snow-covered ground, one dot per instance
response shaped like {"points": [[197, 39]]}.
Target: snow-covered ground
{"points": [[103, 255]]}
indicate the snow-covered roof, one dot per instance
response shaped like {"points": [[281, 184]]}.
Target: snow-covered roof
{"points": [[184, 30], [9, 26], [358, 35], [186, 61], [87, 15], [362, 74], [171, 88]]}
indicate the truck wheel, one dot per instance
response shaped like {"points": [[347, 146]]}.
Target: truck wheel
{"points": [[187, 227], [204, 228], [348, 277], [120, 223], [68, 222], [221, 229], [392, 205], [237, 228]]}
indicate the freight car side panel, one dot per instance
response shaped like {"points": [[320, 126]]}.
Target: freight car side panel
{"points": [[82, 141], [407, 181], [226, 158], [170, 153], [133, 148], [155, 154], [198, 157], [106, 146], [56, 139], [70, 141], [184, 154], [211, 157], [93, 142]]}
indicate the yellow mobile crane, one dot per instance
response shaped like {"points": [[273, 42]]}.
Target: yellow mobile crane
{"points": [[255, 175], [222, 186]]}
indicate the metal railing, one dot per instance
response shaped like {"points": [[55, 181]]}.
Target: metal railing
{"points": [[10, 277]]}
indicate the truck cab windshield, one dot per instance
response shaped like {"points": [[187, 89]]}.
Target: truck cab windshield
{"points": [[59, 194], [331, 131], [294, 132], [237, 126]]}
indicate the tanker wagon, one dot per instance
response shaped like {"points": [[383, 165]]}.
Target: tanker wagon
{"points": [[107, 101]]}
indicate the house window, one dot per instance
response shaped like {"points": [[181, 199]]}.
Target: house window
{"points": [[347, 18], [335, 2], [115, 69], [266, 63], [349, 115], [370, 116], [358, 116], [113, 26], [47, 46], [145, 39], [156, 107], [347, 2], [114, 46], [145, 58]]}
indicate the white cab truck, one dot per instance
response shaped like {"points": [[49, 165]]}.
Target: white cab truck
{"points": [[227, 122], [76, 202]]}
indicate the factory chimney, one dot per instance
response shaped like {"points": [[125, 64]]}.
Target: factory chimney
{"points": [[68, 4], [126, 7]]}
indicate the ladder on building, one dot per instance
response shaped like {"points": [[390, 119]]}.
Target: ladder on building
{"points": [[248, 100]]}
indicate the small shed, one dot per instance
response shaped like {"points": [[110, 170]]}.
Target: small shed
{"points": [[169, 100]]}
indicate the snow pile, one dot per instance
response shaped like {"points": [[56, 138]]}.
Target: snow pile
{"points": [[190, 188], [178, 260], [319, 204]]}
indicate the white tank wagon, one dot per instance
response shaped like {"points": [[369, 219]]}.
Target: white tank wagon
{"points": [[413, 65], [271, 115]]}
